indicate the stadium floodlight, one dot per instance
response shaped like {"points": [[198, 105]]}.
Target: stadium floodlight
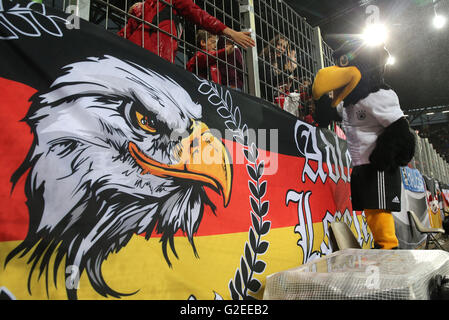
{"points": [[375, 34], [439, 21], [391, 60]]}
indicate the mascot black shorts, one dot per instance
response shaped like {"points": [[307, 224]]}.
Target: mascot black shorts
{"points": [[372, 189]]}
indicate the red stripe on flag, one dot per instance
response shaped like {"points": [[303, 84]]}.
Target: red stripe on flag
{"points": [[15, 141]]}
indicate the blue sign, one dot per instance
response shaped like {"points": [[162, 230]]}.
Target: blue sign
{"points": [[412, 179]]}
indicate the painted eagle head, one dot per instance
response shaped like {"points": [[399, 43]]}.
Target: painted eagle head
{"points": [[118, 150], [359, 70]]}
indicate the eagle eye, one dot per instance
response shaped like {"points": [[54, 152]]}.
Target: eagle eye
{"points": [[147, 123]]}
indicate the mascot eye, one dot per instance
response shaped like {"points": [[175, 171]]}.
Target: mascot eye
{"points": [[344, 61], [145, 122]]}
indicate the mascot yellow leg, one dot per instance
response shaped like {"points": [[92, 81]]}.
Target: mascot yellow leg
{"points": [[381, 224]]}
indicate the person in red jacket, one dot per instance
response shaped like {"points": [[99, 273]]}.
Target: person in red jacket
{"points": [[231, 72], [160, 36], [205, 64]]}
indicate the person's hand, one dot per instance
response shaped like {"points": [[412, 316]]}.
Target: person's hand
{"points": [[229, 48], [292, 54], [242, 38], [291, 64]]}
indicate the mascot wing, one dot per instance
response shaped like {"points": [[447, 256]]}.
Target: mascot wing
{"points": [[394, 147]]}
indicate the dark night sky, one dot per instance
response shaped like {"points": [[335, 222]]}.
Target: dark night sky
{"points": [[421, 73]]}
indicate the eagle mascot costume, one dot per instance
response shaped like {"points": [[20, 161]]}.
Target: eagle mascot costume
{"points": [[378, 135]]}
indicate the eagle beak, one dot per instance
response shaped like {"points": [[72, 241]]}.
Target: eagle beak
{"points": [[339, 80], [201, 157]]}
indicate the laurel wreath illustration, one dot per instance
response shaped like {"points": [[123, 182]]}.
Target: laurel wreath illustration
{"points": [[244, 282]]}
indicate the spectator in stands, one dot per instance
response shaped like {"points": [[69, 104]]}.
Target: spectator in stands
{"points": [[290, 66], [305, 92], [277, 64], [309, 112], [305, 88], [269, 58], [204, 62], [167, 18], [231, 72]]}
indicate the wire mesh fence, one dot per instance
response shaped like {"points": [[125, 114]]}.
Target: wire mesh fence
{"points": [[327, 55], [287, 46], [174, 27]]}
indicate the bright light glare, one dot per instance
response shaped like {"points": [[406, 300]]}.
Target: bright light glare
{"points": [[439, 21], [375, 34], [391, 60]]}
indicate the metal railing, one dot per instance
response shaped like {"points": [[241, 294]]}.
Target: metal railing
{"points": [[428, 161], [288, 50], [114, 16]]}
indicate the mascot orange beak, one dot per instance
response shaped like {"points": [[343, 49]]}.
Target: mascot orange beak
{"points": [[340, 81], [201, 157]]}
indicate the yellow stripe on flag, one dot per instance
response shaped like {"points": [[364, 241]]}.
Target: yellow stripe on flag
{"points": [[141, 267]]}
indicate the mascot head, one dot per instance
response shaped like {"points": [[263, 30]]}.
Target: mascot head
{"points": [[118, 150], [358, 71]]}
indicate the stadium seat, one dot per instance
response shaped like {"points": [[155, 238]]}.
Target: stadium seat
{"points": [[341, 237], [429, 232]]}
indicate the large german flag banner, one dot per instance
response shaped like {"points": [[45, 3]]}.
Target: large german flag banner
{"points": [[123, 176]]}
